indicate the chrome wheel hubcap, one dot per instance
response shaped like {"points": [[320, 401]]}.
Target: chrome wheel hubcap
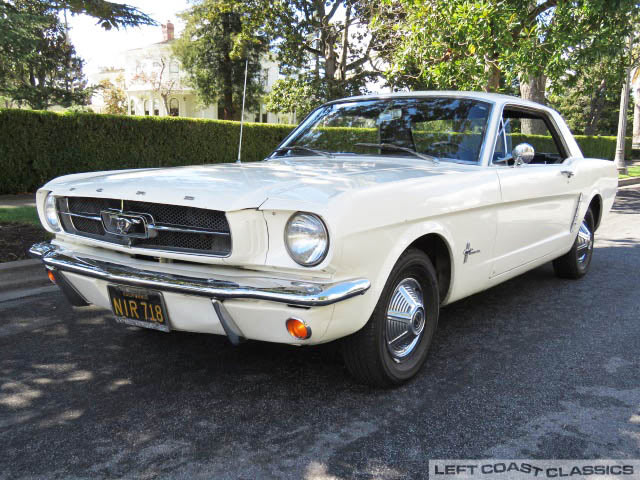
{"points": [[406, 319], [585, 242]]}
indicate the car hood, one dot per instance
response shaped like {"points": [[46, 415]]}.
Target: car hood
{"points": [[235, 186]]}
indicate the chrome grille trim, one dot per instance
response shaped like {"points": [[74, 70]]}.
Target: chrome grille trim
{"points": [[82, 216]]}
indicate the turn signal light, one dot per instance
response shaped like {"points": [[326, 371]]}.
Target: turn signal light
{"points": [[51, 276], [297, 329]]}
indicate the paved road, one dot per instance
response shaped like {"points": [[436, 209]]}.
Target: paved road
{"points": [[537, 367]]}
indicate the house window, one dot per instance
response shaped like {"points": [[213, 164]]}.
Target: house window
{"points": [[146, 107], [265, 117], [132, 107], [174, 107], [174, 67], [156, 108]]}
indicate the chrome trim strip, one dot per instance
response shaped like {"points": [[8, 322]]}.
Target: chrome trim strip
{"points": [[82, 215], [575, 215], [170, 228], [292, 292]]}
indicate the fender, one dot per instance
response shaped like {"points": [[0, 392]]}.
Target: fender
{"points": [[358, 310]]}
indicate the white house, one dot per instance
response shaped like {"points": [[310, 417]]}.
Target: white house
{"points": [[155, 84]]}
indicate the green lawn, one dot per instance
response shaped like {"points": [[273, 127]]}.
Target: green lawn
{"points": [[27, 215], [632, 172]]}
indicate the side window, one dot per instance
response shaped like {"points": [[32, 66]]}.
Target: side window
{"points": [[527, 126]]}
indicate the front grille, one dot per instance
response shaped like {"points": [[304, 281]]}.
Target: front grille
{"points": [[176, 228]]}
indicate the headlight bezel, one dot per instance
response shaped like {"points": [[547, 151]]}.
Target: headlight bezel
{"points": [[49, 205], [296, 257]]}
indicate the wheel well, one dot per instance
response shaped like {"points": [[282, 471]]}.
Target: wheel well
{"points": [[437, 250], [596, 209]]}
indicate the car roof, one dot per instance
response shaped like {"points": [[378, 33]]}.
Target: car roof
{"points": [[496, 98]]}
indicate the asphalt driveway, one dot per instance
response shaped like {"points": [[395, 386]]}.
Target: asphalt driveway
{"points": [[535, 368]]}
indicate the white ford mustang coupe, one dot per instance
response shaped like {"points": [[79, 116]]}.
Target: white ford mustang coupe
{"points": [[370, 216]]}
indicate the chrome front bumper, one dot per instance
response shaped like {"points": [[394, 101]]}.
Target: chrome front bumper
{"points": [[292, 292]]}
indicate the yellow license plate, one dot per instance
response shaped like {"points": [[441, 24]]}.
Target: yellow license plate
{"points": [[139, 307]]}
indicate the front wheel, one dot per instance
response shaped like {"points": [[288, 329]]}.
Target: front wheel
{"points": [[393, 345], [575, 263]]}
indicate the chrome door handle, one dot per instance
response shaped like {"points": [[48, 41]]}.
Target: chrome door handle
{"points": [[568, 173]]}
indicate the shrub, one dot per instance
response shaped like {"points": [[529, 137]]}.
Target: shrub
{"points": [[601, 147], [38, 146]]}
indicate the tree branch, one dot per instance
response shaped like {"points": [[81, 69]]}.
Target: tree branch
{"points": [[365, 56], [333, 10], [543, 7]]}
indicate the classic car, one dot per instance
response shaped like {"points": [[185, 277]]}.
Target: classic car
{"points": [[370, 216]]}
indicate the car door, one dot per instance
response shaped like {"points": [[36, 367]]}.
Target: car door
{"points": [[538, 199]]}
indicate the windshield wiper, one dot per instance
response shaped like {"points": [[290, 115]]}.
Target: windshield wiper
{"points": [[393, 146], [304, 149]]}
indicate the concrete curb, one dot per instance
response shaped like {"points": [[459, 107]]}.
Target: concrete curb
{"points": [[623, 182], [19, 264], [22, 278], [26, 292]]}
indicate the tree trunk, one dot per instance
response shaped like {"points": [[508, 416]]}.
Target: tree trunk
{"points": [[227, 75], [622, 124], [342, 74], [619, 159], [595, 109], [533, 89], [636, 117], [493, 76]]}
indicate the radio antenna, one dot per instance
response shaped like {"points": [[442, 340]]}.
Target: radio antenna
{"points": [[244, 96]]}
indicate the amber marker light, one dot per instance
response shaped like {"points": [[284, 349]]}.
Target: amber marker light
{"points": [[51, 276], [297, 329]]}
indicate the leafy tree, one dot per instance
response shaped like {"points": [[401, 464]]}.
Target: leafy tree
{"points": [[114, 96], [589, 96], [294, 95], [219, 36], [38, 65], [49, 72], [335, 49], [109, 14], [493, 45]]}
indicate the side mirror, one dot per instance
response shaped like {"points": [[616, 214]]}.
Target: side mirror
{"points": [[523, 153]]}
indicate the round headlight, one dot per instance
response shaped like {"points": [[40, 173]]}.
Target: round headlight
{"points": [[306, 238], [50, 213]]}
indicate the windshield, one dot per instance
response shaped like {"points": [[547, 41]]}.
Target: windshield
{"points": [[431, 128]]}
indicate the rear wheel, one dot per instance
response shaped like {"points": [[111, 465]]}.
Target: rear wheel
{"points": [[575, 263], [393, 345]]}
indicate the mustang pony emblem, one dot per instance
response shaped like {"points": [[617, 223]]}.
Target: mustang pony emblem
{"points": [[469, 251], [125, 224]]}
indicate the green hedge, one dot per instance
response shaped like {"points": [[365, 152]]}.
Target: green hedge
{"points": [[38, 146], [602, 147]]}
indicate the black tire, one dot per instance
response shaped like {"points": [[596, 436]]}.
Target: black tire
{"points": [[575, 263], [366, 354]]}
